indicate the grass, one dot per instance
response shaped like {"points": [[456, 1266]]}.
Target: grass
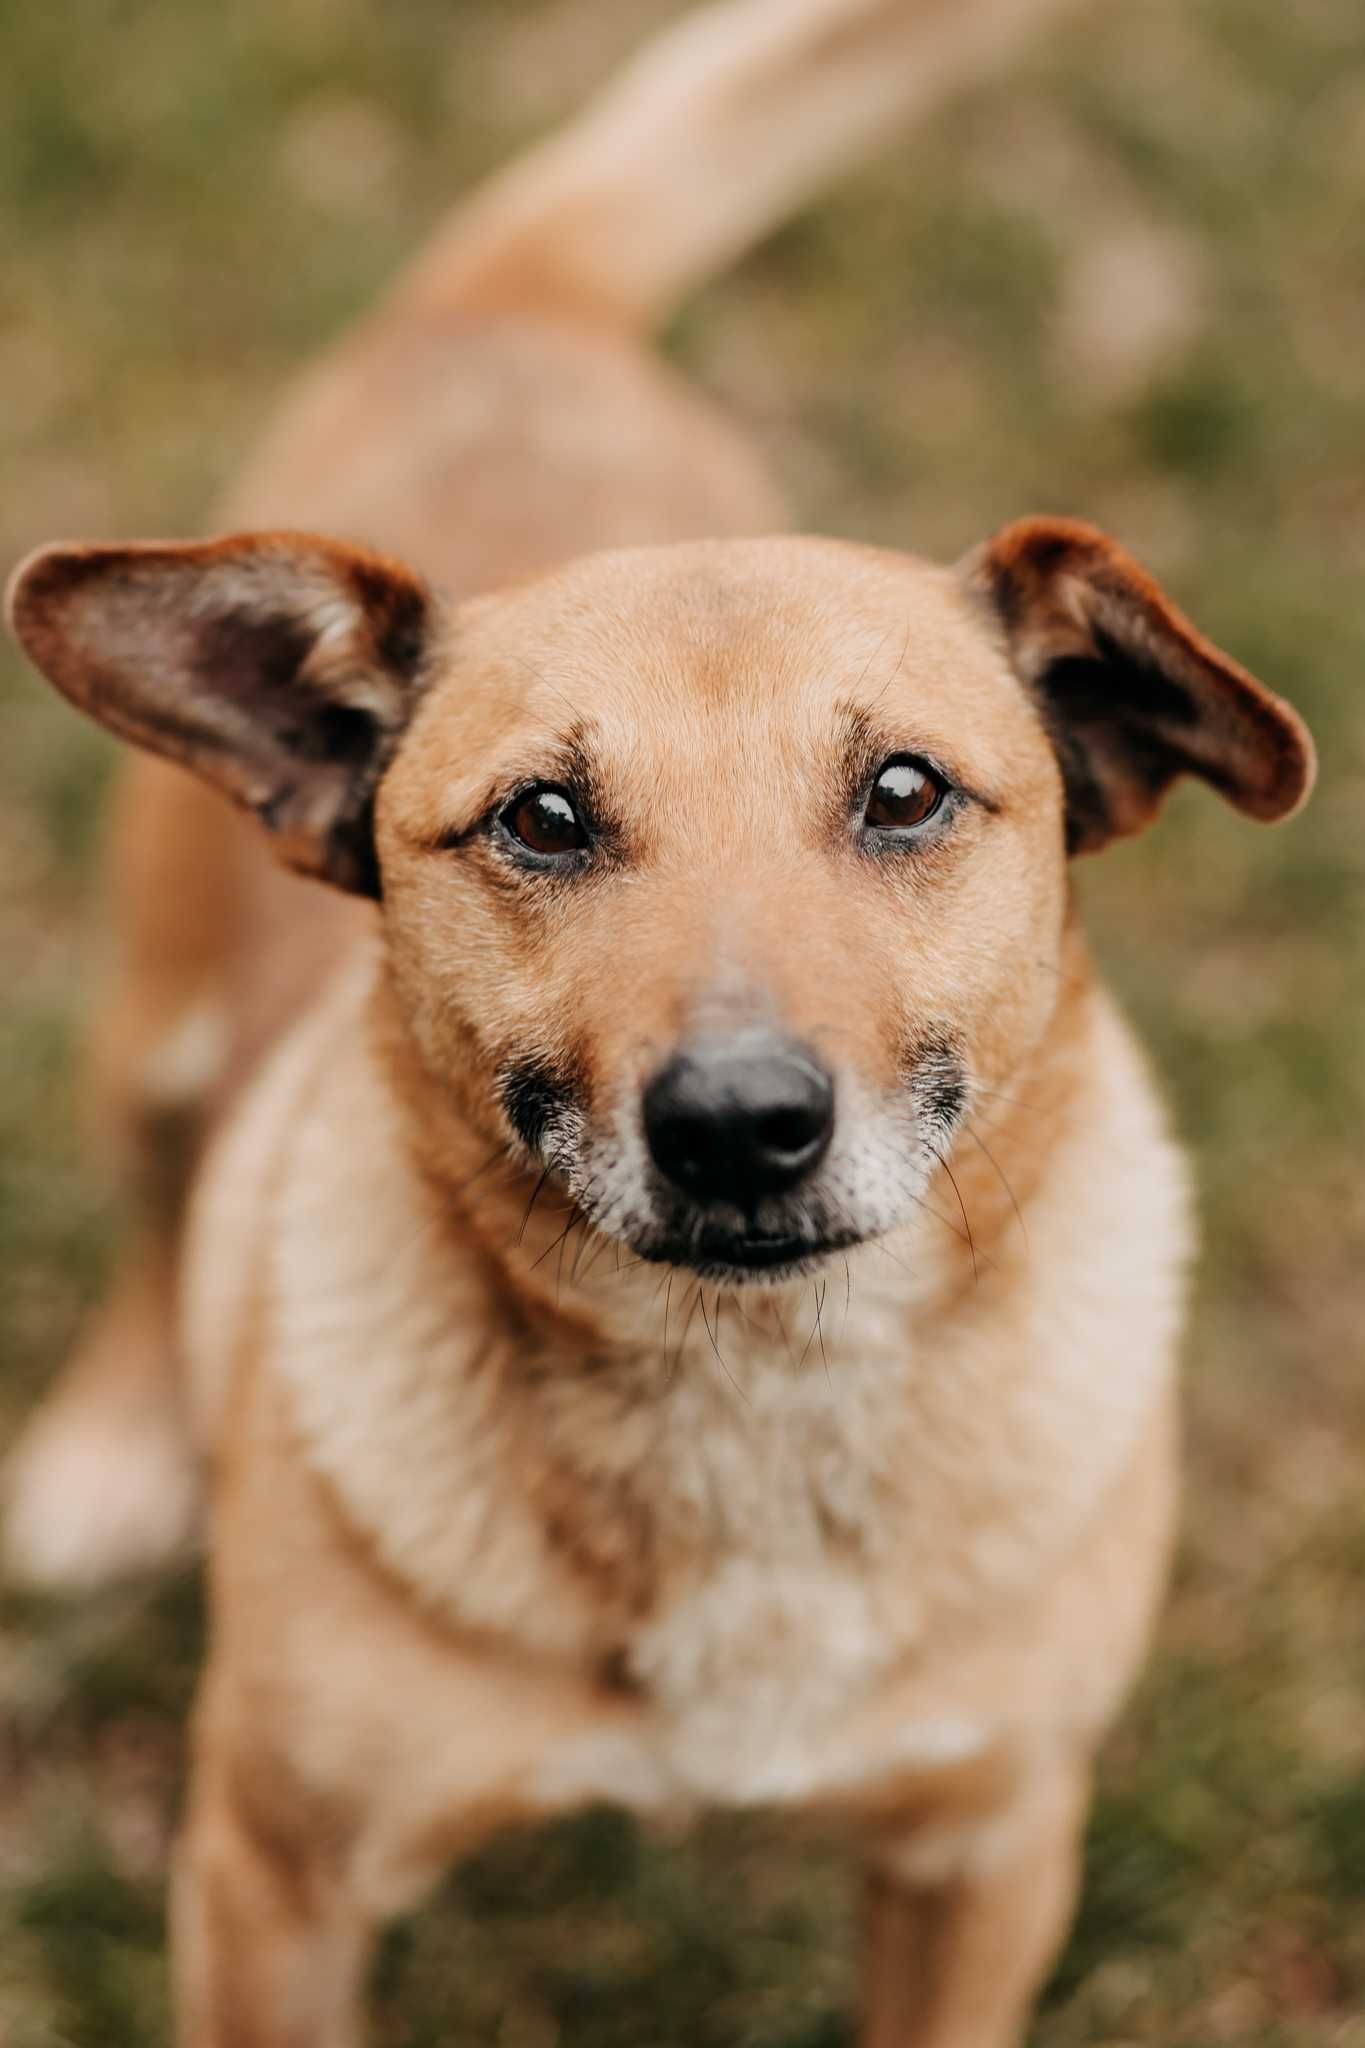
{"points": [[1126, 281]]}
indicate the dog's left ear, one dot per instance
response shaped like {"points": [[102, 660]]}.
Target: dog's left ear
{"points": [[280, 667], [1131, 693]]}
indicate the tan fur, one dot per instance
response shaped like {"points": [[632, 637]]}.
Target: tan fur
{"points": [[504, 1517]]}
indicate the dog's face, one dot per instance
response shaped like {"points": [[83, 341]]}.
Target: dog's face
{"points": [[731, 869], [719, 879]]}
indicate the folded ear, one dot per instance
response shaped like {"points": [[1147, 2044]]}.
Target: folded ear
{"points": [[1131, 693], [281, 667]]}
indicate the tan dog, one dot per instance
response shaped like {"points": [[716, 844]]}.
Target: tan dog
{"points": [[688, 1315]]}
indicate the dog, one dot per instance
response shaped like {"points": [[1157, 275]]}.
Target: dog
{"points": [[681, 1301]]}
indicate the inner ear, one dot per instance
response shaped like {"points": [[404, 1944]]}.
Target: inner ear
{"points": [[282, 668], [1132, 694]]}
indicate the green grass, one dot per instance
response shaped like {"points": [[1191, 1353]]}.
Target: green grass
{"points": [[191, 199]]}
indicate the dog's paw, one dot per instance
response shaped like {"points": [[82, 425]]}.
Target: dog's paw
{"points": [[96, 1492]]}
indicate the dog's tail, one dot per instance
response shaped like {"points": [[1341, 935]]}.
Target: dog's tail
{"points": [[715, 133]]}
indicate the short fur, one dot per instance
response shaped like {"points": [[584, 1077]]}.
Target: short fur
{"points": [[519, 1496]]}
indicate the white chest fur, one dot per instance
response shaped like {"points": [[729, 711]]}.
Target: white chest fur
{"points": [[780, 1621]]}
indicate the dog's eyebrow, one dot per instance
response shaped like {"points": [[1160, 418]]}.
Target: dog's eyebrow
{"points": [[580, 770], [568, 759], [863, 746]]}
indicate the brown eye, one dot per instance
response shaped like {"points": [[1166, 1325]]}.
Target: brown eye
{"points": [[905, 794], [544, 820]]}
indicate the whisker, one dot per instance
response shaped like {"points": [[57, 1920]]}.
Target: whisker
{"points": [[998, 1095], [535, 1197], [714, 1335], [597, 1251], [813, 1328], [900, 663], [668, 1303], [978, 1140], [599, 1224], [545, 684], [867, 665], [582, 1218], [605, 1242], [820, 1328], [782, 1327], [554, 1245], [589, 1230], [877, 1246], [966, 1220], [740, 1311], [939, 1217], [687, 1324], [563, 1248]]}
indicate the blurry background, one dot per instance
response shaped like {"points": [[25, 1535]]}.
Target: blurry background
{"points": [[1126, 280]]}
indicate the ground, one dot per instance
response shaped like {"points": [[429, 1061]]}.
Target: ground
{"points": [[1126, 281]]}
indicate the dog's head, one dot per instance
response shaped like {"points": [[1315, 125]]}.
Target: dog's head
{"points": [[719, 878]]}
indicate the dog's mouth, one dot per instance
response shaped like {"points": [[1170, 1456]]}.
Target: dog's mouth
{"points": [[741, 1254]]}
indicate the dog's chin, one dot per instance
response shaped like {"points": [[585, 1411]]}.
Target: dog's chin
{"points": [[747, 1258]]}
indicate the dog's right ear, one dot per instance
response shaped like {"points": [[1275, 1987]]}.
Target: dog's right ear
{"points": [[281, 667], [1131, 693]]}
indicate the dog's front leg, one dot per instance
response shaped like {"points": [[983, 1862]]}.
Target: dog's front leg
{"points": [[269, 1946], [962, 1924]]}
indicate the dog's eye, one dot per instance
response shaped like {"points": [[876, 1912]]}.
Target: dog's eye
{"points": [[904, 794], [544, 820]]}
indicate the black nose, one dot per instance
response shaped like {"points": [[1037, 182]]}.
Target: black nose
{"points": [[739, 1118]]}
